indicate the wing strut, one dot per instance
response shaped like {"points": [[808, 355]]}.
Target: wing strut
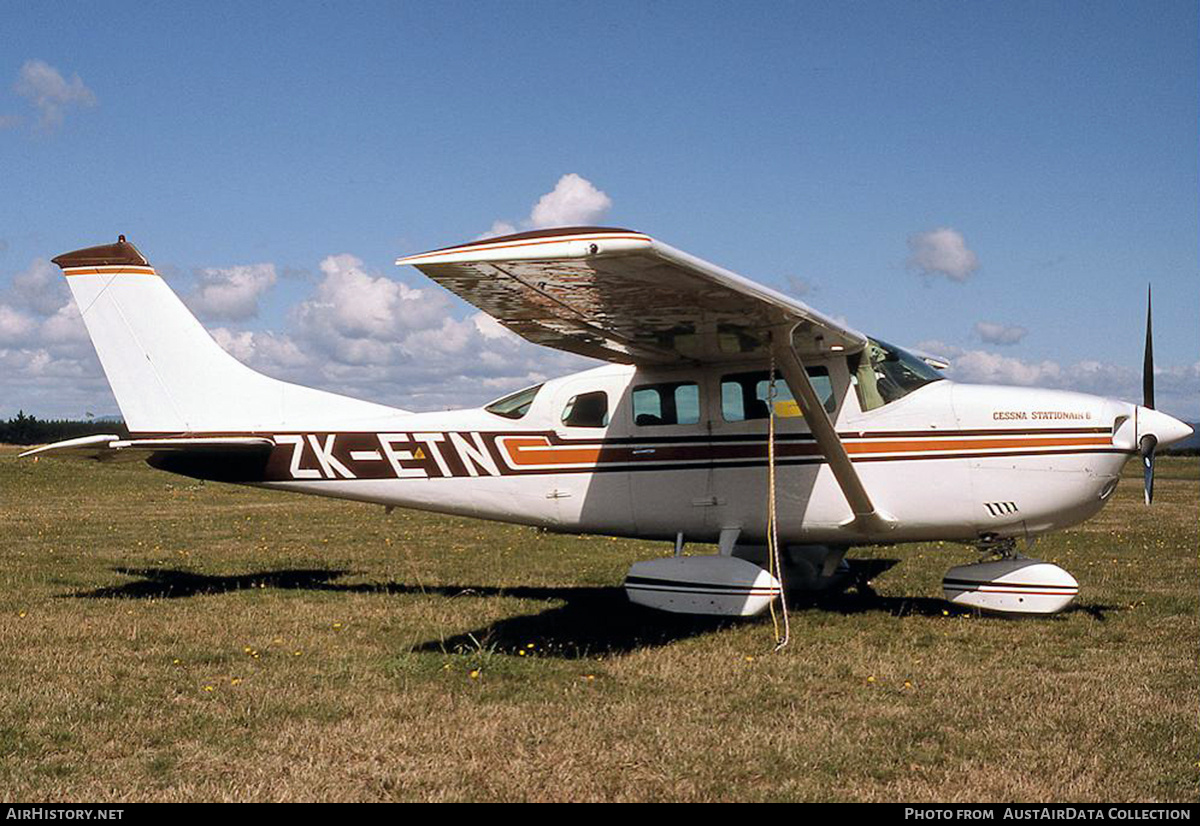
{"points": [[867, 518]]}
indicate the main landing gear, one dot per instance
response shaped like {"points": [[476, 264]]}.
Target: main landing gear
{"points": [[736, 582]]}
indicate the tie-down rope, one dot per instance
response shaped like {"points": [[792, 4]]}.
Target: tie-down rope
{"points": [[775, 563]]}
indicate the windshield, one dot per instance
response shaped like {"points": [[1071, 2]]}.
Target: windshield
{"points": [[883, 373], [516, 405]]}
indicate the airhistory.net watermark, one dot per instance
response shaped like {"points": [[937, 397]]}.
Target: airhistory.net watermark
{"points": [[49, 813]]}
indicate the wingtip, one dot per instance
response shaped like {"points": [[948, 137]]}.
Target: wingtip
{"points": [[525, 244]]}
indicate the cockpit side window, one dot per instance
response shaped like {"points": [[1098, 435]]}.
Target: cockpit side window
{"points": [[516, 405], [745, 396], [882, 373], [587, 410]]}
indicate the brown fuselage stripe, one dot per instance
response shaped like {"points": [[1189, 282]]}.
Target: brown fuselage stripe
{"points": [[538, 451], [513, 244], [702, 438], [370, 455]]}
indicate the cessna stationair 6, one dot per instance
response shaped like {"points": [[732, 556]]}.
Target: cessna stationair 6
{"points": [[728, 413]]}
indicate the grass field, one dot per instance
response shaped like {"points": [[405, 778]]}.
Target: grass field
{"points": [[168, 640]]}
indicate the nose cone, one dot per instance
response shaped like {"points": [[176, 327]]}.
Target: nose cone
{"points": [[1166, 429]]}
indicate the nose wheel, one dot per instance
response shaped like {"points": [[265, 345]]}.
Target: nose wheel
{"points": [[1004, 547], [1009, 583]]}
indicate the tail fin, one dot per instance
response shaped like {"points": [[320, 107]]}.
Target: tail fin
{"points": [[167, 372]]}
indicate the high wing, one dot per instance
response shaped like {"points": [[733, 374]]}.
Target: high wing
{"points": [[619, 295]]}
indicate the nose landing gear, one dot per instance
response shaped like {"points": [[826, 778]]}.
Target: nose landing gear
{"points": [[1011, 583]]}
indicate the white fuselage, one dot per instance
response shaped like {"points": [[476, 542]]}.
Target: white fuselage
{"points": [[947, 461]]}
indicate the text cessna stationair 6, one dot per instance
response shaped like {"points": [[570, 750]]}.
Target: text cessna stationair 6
{"points": [[687, 434]]}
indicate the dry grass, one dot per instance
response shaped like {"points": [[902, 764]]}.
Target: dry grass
{"points": [[164, 640]]}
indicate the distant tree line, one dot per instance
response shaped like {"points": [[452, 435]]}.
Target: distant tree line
{"points": [[30, 430]]}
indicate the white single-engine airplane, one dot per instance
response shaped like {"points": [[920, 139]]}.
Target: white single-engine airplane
{"points": [[686, 435]]}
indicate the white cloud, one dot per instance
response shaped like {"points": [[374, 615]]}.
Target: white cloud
{"points": [[942, 251], [980, 366], [1002, 334], [364, 334], [40, 289], [275, 352], [357, 332], [50, 93], [498, 228], [798, 286], [231, 293], [937, 347], [489, 327], [37, 311], [15, 326], [574, 201], [47, 364], [360, 332], [65, 330], [1178, 387], [357, 313]]}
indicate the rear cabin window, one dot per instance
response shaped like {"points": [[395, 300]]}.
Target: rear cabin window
{"points": [[744, 396], [668, 403], [587, 410], [516, 405]]}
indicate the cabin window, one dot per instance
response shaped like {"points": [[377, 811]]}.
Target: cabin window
{"points": [[667, 403], [744, 396], [516, 405], [881, 374], [587, 410]]}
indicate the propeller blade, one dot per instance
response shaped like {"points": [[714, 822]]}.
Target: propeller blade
{"points": [[1148, 442], [1147, 450], [1148, 363]]}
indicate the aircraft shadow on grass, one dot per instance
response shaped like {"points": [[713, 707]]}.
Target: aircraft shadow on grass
{"points": [[589, 621]]}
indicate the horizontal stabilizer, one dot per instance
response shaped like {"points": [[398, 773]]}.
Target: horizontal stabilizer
{"points": [[85, 447], [107, 448]]}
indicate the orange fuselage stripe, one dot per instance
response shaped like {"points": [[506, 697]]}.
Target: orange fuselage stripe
{"points": [[537, 451]]}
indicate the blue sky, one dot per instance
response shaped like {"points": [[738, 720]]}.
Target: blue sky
{"points": [[995, 181]]}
